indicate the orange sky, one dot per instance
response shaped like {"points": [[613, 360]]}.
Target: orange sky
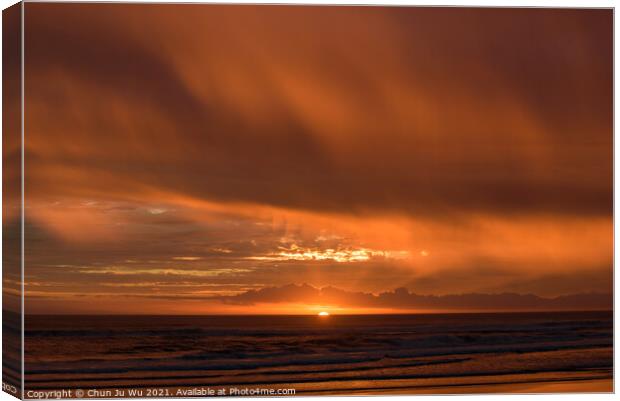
{"points": [[177, 155]]}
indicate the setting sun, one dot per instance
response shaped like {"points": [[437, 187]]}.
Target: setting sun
{"points": [[323, 313]]}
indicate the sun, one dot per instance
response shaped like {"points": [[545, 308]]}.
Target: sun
{"points": [[323, 313]]}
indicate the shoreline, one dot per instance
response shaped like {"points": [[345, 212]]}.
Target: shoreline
{"points": [[534, 383]]}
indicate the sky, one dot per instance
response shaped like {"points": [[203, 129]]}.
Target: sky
{"points": [[179, 157]]}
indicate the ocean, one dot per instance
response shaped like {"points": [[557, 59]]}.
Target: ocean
{"points": [[338, 354]]}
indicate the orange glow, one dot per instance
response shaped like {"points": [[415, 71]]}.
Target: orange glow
{"points": [[216, 162]]}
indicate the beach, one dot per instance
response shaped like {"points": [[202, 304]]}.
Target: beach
{"points": [[352, 354]]}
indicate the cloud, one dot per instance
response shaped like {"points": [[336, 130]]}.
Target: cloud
{"points": [[277, 115], [477, 142], [402, 299]]}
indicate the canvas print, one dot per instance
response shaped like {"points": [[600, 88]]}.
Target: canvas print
{"points": [[292, 200]]}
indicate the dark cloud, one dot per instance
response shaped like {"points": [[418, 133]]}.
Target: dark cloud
{"points": [[401, 298], [215, 144], [430, 111]]}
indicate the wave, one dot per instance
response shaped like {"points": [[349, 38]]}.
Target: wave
{"points": [[364, 349]]}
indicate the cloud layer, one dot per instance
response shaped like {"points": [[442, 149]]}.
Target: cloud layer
{"points": [[404, 300], [369, 148]]}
